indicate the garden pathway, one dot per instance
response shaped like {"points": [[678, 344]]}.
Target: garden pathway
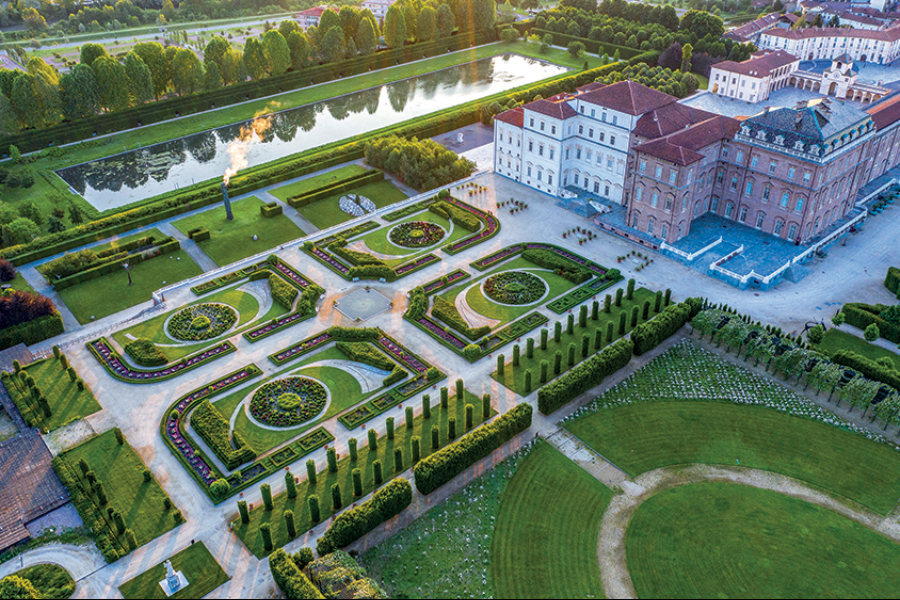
{"points": [[40, 285], [190, 247], [290, 212], [79, 560], [611, 546], [586, 458], [471, 316]]}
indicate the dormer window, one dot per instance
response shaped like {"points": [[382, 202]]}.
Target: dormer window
{"points": [[779, 139], [761, 135], [798, 145], [745, 130]]}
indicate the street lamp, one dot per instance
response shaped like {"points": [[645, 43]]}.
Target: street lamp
{"points": [[127, 270]]}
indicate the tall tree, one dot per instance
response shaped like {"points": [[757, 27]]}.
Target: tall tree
{"points": [[446, 22], [255, 59], [328, 20], [112, 81], [91, 52], [702, 24], [350, 19], [287, 27], [485, 14], [213, 76], [394, 27], [686, 53], [80, 93], [299, 49], [332, 46], [426, 27], [366, 38], [411, 16], [187, 72], [154, 56], [33, 20], [216, 49], [25, 102], [278, 56], [9, 123], [232, 69], [139, 78]]}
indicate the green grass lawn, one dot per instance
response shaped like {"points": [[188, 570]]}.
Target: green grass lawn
{"points": [[545, 540], [249, 533], [704, 81], [326, 212], [153, 329], [199, 567], [514, 377], [317, 181], [155, 233], [67, 402], [835, 340], [233, 240], [19, 283], [51, 581], [455, 536], [641, 437], [378, 240], [111, 293], [722, 540], [119, 468]]}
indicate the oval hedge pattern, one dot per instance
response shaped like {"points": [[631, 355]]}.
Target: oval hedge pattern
{"points": [[201, 322], [514, 287], [416, 234], [271, 402]]}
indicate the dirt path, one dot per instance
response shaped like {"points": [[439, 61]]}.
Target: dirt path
{"points": [[611, 553]]}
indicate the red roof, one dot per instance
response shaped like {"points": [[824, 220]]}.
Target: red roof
{"points": [[628, 97], [886, 112], [558, 110], [683, 147], [669, 119], [514, 116], [759, 66], [315, 11], [886, 35]]}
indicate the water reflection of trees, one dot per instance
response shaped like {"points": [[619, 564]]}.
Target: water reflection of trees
{"points": [[201, 146], [399, 93]]}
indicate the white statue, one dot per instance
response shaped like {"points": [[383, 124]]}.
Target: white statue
{"points": [[171, 578]]}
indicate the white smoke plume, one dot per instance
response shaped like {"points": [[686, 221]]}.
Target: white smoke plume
{"points": [[238, 148]]}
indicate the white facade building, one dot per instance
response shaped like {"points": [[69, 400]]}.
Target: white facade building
{"points": [[754, 79], [816, 43], [577, 140], [379, 8]]}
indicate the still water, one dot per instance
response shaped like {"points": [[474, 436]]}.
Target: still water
{"points": [[118, 180]]}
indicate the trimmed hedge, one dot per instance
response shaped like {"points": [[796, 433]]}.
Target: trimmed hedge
{"points": [[367, 354], [585, 376], [354, 333], [892, 280], [445, 464], [145, 353], [868, 367], [289, 578], [569, 269], [652, 333], [862, 315], [272, 209], [590, 46], [210, 425], [448, 313], [462, 218], [350, 183], [32, 332], [352, 524], [372, 272], [282, 292], [354, 257], [397, 374]]}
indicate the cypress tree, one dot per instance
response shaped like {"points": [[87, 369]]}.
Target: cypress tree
{"points": [[598, 339], [486, 406], [398, 459], [570, 358], [629, 294], [416, 449], [622, 321], [426, 406], [311, 471], [435, 437], [516, 355], [357, 482], [609, 332], [557, 362], [570, 324], [470, 415], [460, 392], [409, 417], [527, 381], [56, 353], [582, 316], [289, 523], [607, 304], [45, 407], [544, 336], [130, 539], [668, 297], [529, 348], [445, 398], [266, 531], [120, 523], [390, 428], [451, 428], [657, 303], [595, 310], [557, 332], [245, 514], [314, 514], [63, 361], [373, 440], [336, 502], [501, 360], [331, 455], [266, 491], [72, 374], [354, 453], [545, 366], [377, 475], [645, 312], [290, 485], [635, 313], [585, 345], [619, 297]]}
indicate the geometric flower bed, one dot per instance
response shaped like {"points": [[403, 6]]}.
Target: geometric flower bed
{"points": [[416, 234], [103, 351], [288, 402], [514, 287], [201, 322]]}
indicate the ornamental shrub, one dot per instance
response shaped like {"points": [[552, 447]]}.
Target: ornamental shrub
{"points": [[398, 374], [595, 310], [657, 302], [598, 339], [501, 364], [582, 316], [645, 311], [871, 333], [130, 539], [356, 474], [629, 293], [545, 367], [585, 345], [557, 362], [435, 437], [214, 429], [245, 514], [451, 428], [266, 491], [289, 524], [398, 459], [570, 324], [872, 369], [366, 353], [145, 353], [314, 511], [120, 523], [544, 335], [485, 406], [649, 335], [815, 334], [570, 355], [63, 361], [148, 475], [667, 297], [892, 280], [515, 360], [352, 524], [409, 417], [609, 332], [354, 454], [377, 474], [585, 376], [529, 348], [619, 297], [527, 381], [470, 415], [607, 304], [862, 315], [336, 503], [390, 428], [282, 292], [416, 449], [460, 390], [311, 475], [266, 531], [72, 374], [426, 406], [445, 398], [557, 332], [331, 456], [442, 466], [289, 577], [623, 317], [373, 440], [635, 313]]}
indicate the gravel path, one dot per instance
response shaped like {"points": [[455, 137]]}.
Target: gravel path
{"points": [[79, 561]]}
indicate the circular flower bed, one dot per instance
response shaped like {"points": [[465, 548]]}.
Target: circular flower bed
{"points": [[416, 234], [288, 402], [514, 287], [201, 322]]}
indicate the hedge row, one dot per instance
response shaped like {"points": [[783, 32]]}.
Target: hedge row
{"points": [[862, 315], [590, 46], [114, 264], [868, 367], [372, 272], [289, 578], [354, 333], [584, 376], [568, 268], [352, 524], [354, 257], [397, 374], [892, 280], [282, 292], [145, 353], [32, 332], [344, 185], [448, 313], [154, 112], [652, 333], [210, 425], [462, 218], [445, 464], [367, 354], [93, 519]]}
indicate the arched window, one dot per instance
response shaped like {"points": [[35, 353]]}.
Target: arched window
{"points": [[650, 224], [729, 208], [779, 225]]}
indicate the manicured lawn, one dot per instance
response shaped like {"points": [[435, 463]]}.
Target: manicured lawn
{"points": [[723, 540], [233, 240], [154, 330], [378, 240], [455, 536], [835, 340], [19, 283], [51, 581], [317, 181], [545, 540], [199, 567], [111, 293], [689, 406], [514, 377], [327, 213], [67, 402], [704, 81], [119, 468], [155, 233], [249, 533]]}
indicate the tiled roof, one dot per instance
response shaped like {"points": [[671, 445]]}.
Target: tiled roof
{"points": [[886, 113], [884, 35], [557, 110], [315, 11], [628, 97], [514, 116], [759, 66], [748, 30], [684, 147], [668, 119], [812, 124], [590, 87], [848, 16]]}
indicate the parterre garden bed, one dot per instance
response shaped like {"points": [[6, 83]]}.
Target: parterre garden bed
{"points": [[690, 406]]}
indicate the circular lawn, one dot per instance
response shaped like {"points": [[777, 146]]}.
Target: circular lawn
{"points": [[416, 234], [288, 402], [201, 322], [514, 287]]}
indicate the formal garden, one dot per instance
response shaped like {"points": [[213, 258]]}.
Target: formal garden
{"points": [[197, 565], [51, 581]]}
